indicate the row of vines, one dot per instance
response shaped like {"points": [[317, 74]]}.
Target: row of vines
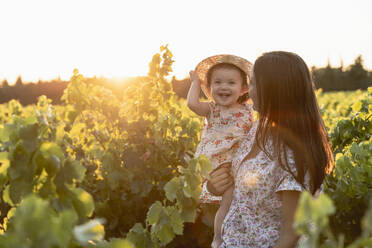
{"points": [[108, 171]]}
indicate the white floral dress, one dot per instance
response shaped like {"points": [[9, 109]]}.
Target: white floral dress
{"points": [[222, 133], [254, 216]]}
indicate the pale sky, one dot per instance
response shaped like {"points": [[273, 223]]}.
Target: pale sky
{"points": [[44, 39]]}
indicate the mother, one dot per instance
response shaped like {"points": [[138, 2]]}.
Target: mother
{"points": [[287, 153]]}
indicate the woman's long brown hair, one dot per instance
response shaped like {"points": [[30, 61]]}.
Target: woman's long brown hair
{"points": [[290, 115]]}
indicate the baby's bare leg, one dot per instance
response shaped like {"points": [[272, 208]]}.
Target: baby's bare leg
{"points": [[220, 216]]}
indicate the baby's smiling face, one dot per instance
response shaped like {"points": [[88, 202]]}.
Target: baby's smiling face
{"points": [[226, 86]]}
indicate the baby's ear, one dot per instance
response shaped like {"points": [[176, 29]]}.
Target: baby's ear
{"points": [[244, 90]]}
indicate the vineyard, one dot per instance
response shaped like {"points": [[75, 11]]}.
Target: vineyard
{"points": [[114, 172]]}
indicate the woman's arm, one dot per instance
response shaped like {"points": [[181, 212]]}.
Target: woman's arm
{"points": [[199, 108], [288, 237]]}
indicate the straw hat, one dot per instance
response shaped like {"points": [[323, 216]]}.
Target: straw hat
{"points": [[203, 67]]}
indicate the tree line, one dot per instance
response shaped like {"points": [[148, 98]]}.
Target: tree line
{"points": [[27, 93], [352, 77]]}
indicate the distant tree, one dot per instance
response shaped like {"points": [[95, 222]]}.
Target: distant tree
{"points": [[6, 91], [19, 82], [342, 64], [325, 78], [357, 73], [5, 84]]}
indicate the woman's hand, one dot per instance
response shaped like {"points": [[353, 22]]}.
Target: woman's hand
{"points": [[220, 180]]}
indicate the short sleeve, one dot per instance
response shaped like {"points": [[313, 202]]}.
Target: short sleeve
{"points": [[208, 197], [288, 182], [213, 110], [285, 179]]}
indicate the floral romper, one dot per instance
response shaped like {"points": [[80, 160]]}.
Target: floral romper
{"points": [[254, 216], [222, 133]]}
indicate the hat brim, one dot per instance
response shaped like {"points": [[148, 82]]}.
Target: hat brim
{"points": [[205, 65]]}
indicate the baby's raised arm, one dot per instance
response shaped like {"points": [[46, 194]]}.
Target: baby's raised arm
{"points": [[193, 102]]}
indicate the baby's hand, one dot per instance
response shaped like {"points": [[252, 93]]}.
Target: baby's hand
{"points": [[194, 77], [220, 180], [226, 165]]}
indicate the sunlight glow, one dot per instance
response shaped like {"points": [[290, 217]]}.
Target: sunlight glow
{"points": [[47, 39], [251, 179]]}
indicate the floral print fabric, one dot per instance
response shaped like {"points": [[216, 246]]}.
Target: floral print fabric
{"points": [[222, 133], [254, 216]]}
